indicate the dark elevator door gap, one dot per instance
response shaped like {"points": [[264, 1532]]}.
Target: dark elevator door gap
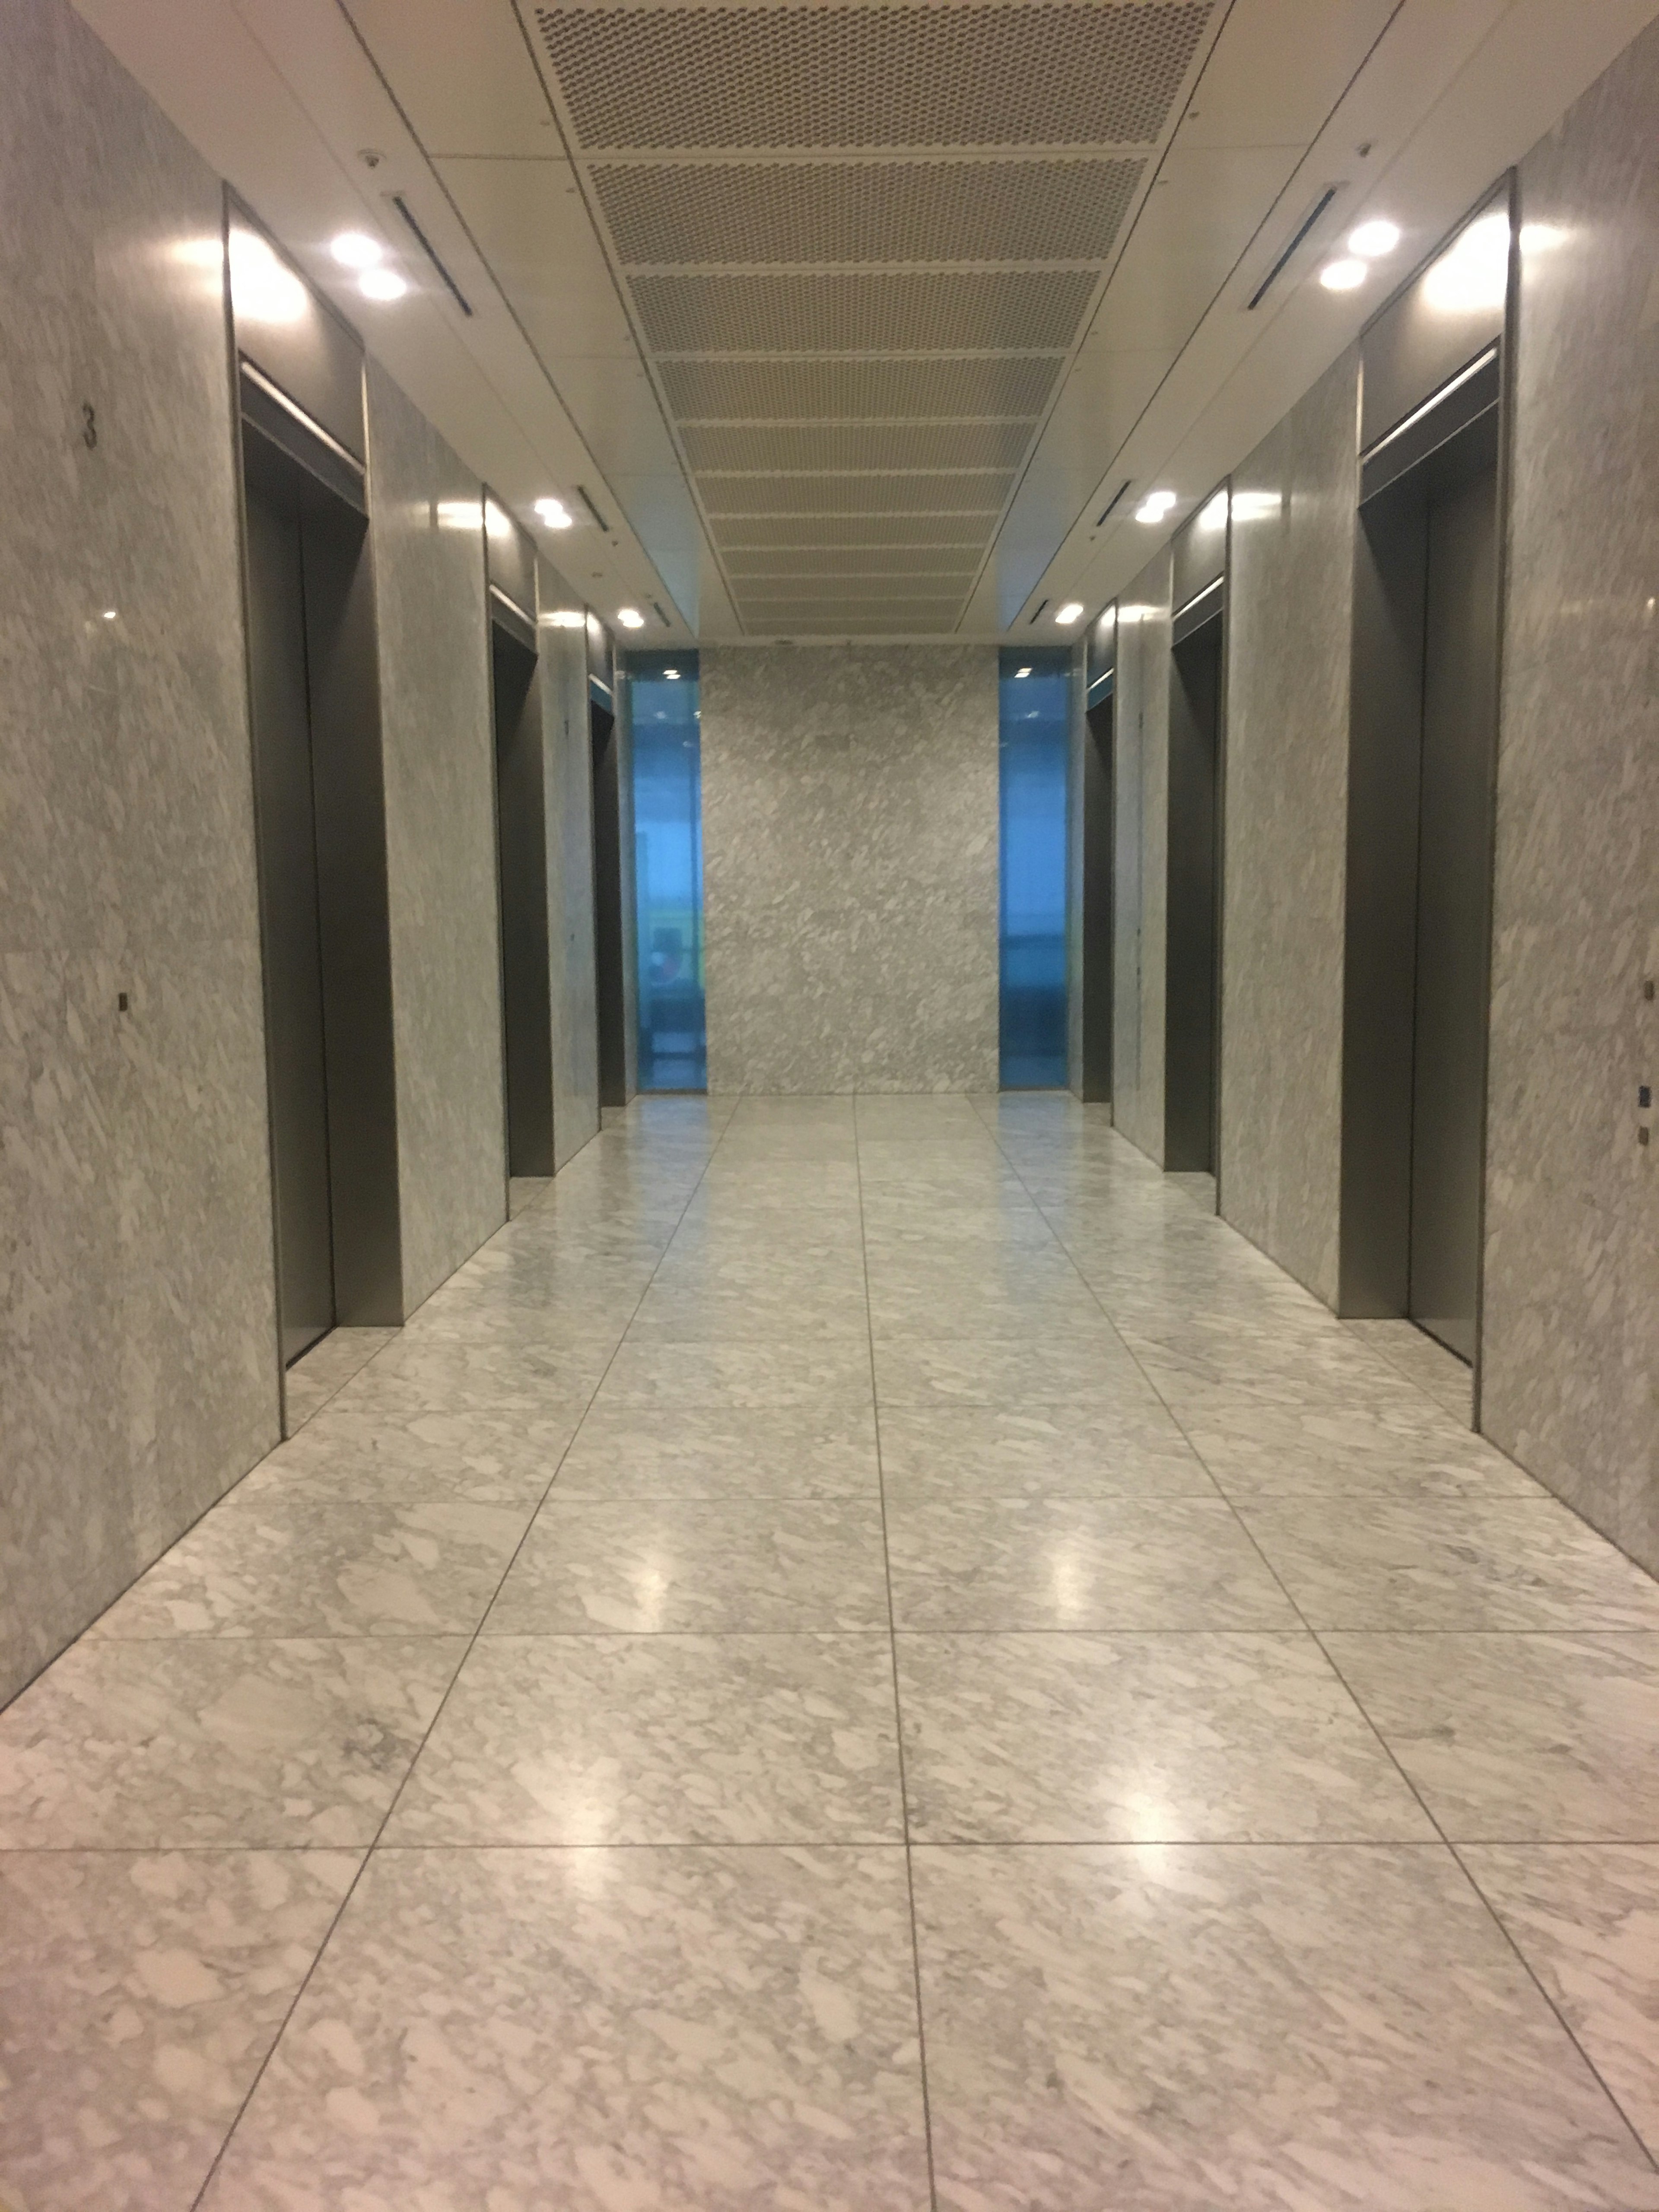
{"points": [[293, 936], [1191, 967], [521, 842], [1453, 875]]}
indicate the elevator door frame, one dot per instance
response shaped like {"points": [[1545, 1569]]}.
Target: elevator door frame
{"points": [[1383, 952], [281, 460], [290, 915]]}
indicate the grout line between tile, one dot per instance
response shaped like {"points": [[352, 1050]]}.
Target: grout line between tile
{"points": [[898, 1715], [351, 1890], [1446, 1842]]}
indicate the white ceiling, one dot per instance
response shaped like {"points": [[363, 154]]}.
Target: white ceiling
{"points": [[851, 319]]}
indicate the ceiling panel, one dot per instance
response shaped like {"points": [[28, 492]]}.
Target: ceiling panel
{"points": [[959, 445], [964, 492], [760, 532], [905, 311], [805, 76], [861, 241], [465, 76], [530, 224], [1013, 386], [922, 211]]}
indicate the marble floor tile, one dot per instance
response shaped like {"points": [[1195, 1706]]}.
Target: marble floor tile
{"points": [[1585, 1917], [778, 1313], [312, 1381], [282, 1561], [994, 1370], [1141, 1739], [662, 1565], [1298, 2029], [738, 1373], [949, 1302], [661, 1740], [707, 1451], [559, 1327], [418, 1375], [565, 1627], [1324, 1449], [978, 1453], [1518, 1738], [1437, 1562], [732, 2031], [974, 1314], [470, 1458], [1065, 1563], [1441, 1374], [140, 1994], [217, 1741]]}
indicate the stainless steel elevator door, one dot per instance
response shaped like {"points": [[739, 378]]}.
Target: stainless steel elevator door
{"points": [[1454, 875], [293, 948], [1193, 856]]}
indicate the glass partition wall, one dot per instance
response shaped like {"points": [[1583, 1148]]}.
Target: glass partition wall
{"points": [[1035, 694], [663, 722]]}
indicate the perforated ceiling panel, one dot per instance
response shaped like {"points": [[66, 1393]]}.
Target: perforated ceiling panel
{"points": [[805, 76], [913, 311], [861, 244]]}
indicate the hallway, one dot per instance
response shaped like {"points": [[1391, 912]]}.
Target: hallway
{"points": [[828, 1568]]}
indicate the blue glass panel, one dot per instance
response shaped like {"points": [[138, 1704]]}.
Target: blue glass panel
{"points": [[668, 870], [1036, 710]]}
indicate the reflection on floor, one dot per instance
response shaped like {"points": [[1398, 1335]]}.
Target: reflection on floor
{"points": [[855, 1658]]}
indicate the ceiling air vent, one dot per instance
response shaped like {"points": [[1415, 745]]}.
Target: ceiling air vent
{"points": [[1297, 236]]}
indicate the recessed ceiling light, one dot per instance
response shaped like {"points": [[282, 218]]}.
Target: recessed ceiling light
{"points": [[1018, 672], [673, 674], [1155, 506], [630, 618], [356, 249], [1373, 239], [1344, 275], [1069, 613], [564, 619], [109, 614], [554, 512], [381, 284]]}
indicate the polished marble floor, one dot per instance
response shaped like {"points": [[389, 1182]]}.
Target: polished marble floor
{"points": [[862, 1656]]}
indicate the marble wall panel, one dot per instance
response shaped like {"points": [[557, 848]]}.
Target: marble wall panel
{"points": [[850, 867], [138, 1359], [1570, 1338], [1290, 618], [568, 783], [438, 747], [1141, 832]]}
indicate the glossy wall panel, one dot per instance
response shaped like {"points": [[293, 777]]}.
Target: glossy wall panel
{"points": [[1141, 824], [1290, 613], [570, 798], [1571, 1287], [850, 867], [438, 741], [138, 1363]]}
